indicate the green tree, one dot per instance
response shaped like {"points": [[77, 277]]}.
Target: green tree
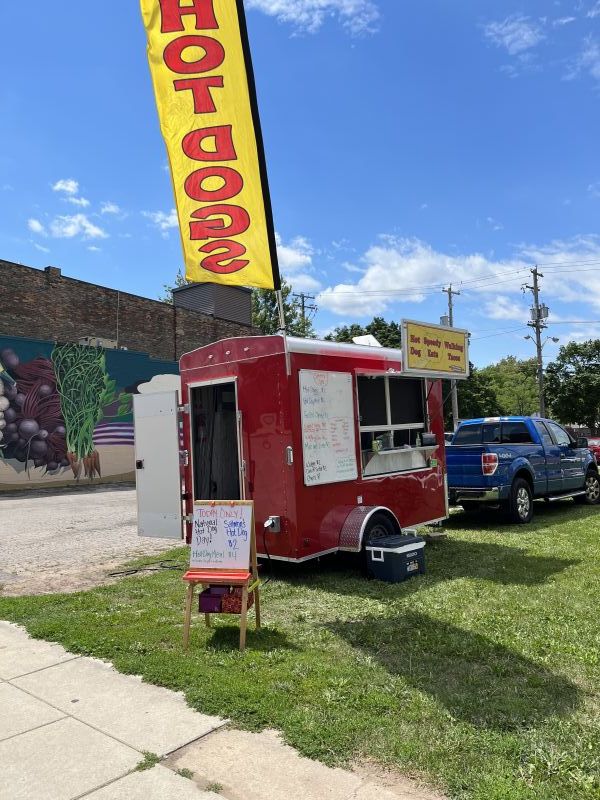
{"points": [[573, 384], [180, 280], [265, 312], [513, 381], [388, 334], [476, 398]]}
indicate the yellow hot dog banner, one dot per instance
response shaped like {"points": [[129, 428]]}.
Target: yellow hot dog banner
{"points": [[204, 88], [434, 350]]}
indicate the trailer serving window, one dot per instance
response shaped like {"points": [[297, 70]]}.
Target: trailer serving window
{"points": [[391, 420]]}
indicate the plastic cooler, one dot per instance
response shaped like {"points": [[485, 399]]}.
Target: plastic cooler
{"points": [[396, 558]]}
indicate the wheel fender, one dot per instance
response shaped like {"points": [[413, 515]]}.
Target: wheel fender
{"points": [[520, 465], [353, 529]]}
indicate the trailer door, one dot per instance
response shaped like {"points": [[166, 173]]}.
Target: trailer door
{"points": [[157, 470]]}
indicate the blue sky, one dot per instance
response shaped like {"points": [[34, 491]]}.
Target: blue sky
{"points": [[409, 145]]}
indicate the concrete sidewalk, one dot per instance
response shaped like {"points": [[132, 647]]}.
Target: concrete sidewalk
{"points": [[73, 727]]}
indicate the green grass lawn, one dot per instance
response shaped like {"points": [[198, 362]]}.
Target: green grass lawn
{"points": [[482, 676]]}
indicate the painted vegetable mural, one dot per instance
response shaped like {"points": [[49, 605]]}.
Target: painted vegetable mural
{"points": [[31, 422], [50, 407], [84, 388]]}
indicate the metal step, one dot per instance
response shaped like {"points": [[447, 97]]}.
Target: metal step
{"points": [[563, 496]]}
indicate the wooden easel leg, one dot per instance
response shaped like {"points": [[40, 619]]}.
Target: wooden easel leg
{"points": [[188, 615], [206, 616], [244, 618], [257, 607]]}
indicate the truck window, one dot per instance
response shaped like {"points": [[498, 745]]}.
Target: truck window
{"points": [[468, 434], [560, 435], [492, 433], [544, 433], [515, 433], [391, 414]]}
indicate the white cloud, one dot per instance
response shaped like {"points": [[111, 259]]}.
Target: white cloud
{"points": [[7, 187], [109, 208], [41, 248], [68, 227], [516, 33], [296, 263], [503, 307], [294, 256], [357, 16], [93, 249], [82, 202], [163, 221], [353, 268], [588, 61], [305, 283], [494, 224], [410, 271], [561, 21], [66, 185], [36, 226], [594, 11], [594, 189]]}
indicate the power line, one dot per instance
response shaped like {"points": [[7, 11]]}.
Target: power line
{"points": [[498, 333], [432, 288]]}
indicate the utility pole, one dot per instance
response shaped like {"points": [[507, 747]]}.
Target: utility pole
{"points": [[453, 384], [303, 297], [539, 315]]}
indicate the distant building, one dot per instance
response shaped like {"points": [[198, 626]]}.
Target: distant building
{"points": [[45, 304], [137, 343]]}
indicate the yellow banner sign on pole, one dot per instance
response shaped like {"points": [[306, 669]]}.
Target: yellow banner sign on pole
{"points": [[204, 87], [434, 350]]}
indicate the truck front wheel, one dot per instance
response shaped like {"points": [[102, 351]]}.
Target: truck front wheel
{"points": [[592, 490], [520, 502]]}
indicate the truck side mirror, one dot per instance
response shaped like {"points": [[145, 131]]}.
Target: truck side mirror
{"points": [[582, 443]]}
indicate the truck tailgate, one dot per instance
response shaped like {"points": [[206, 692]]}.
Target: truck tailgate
{"points": [[465, 470], [464, 465]]}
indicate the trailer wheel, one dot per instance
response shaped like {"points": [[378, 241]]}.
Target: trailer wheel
{"points": [[592, 490], [378, 526], [520, 503]]}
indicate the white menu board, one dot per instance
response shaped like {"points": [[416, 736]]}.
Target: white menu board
{"points": [[221, 535], [328, 429]]}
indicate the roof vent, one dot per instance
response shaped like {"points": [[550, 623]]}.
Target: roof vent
{"points": [[233, 303]]}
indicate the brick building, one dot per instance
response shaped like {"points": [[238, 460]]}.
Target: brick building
{"points": [[44, 304]]}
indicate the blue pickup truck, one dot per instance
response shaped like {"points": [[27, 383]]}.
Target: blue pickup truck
{"points": [[509, 461]]}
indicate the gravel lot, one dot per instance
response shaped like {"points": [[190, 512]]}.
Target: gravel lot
{"points": [[66, 540]]}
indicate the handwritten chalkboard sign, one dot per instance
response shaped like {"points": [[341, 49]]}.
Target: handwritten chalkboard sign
{"points": [[222, 535], [328, 432]]}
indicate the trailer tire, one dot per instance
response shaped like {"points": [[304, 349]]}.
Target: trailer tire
{"points": [[520, 502], [378, 526], [592, 490]]}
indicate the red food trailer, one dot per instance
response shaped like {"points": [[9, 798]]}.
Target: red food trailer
{"points": [[334, 443]]}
